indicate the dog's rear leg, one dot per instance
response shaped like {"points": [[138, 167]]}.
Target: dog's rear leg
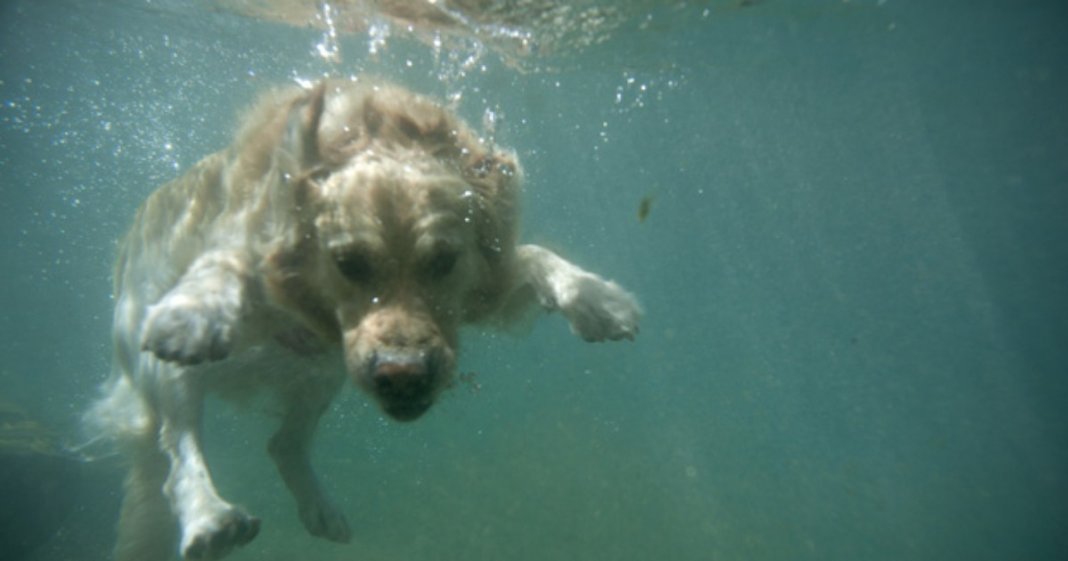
{"points": [[290, 449], [146, 524], [210, 526]]}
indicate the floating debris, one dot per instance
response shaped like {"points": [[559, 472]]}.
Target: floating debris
{"points": [[469, 380], [644, 207]]}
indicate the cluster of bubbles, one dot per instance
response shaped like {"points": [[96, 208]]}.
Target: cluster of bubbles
{"points": [[518, 31], [463, 38]]}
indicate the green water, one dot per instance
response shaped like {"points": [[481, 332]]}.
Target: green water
{"points": [[854, 271]]}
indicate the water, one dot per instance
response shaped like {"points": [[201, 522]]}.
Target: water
{"points": [[855, 272]]}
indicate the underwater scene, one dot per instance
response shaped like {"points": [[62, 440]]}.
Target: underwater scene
{"points": [[845, 221]]}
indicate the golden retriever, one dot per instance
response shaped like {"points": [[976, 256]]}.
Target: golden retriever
{"points": [[349, 227]]}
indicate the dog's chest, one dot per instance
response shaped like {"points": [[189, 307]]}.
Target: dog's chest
{"points": [[274, 367]]}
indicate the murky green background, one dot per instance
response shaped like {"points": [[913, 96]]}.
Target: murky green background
{"points": [[855, 276]]}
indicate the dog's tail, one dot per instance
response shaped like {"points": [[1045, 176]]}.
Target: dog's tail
{"points": [[119, 417]]}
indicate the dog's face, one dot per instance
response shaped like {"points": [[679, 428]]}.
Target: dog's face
{"points": [[398, 247], [404, 261]]}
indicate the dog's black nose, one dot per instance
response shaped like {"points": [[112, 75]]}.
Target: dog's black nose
{"points": [[404, 382], [400, 372]]}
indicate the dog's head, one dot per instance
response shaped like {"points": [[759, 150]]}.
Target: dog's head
{"points": [[402, 227]]}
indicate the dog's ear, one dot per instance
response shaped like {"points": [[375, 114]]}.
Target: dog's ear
{"points": [[495, 177], [301, 141], [298, 158]]}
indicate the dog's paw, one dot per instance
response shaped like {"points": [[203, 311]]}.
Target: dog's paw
{"points": [[322, 519], [188, 330], [600, 310], [213, 536]]}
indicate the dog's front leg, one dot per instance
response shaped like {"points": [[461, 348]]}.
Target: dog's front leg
{"points": [[597, 309], [197, 319], [210, 526]]}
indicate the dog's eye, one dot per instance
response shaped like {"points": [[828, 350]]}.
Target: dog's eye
{"points": [[354, 266], [442, 263]]}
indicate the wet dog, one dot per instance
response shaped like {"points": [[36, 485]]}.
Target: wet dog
{"points": [[349, 228]]}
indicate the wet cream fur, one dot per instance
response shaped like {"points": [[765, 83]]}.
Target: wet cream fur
{"points": [[349, 228]]}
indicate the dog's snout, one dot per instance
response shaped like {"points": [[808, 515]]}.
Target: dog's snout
{"points": [[401, 373], [404, 382], [399, 338], [406, 369], [401, 358]]}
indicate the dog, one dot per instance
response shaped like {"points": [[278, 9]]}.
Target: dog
{"points": [[350, 227]]}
